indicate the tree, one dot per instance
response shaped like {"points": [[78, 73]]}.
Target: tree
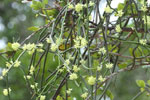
{"points": [[79, 51]]}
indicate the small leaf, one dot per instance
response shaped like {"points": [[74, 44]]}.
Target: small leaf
{"points": [[59, 98], [45, 1], [110, 95], [36, 5], [148, 82], [123, 65], [33, 28], [120, 6], [140, 83]]}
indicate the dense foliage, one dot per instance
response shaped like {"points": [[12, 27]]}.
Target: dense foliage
{"points": [[78, 53]]}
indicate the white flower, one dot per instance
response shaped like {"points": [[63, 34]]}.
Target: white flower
{"points": [[67, 62], [99, 68], [8, 64], [80, 42], [73, 76], [4, 72], [143, 41], [144, 8], [54, 47], [101, 78], [6, 91], [1, 77], [17, 63], [42, 97], [108, 10], [78, 7], [84, 95], [28, 77], [15, 46], [70, 6], [82, 61], [91, 3], [69, 91], [75, 68], [31, 69], [102, 50], [119, 13], [91, 80], [59, 41], [32, 86], [48, 40], [109, 65], [118, 29]]}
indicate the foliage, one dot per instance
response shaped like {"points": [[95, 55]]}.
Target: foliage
{"points": [[78, 52]]}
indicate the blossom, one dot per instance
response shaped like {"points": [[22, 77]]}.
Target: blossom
{"points": [[6, 91], [70, 6], [40, 50], [146, 19], [67, 62], [119, 13], [83, 42], [42, 97], [91, 80], [31, 70], [75, 68], [48, 40], [59, 41], [90, 17], [109, 65], [82, 61], [78, 7], [32, 86], [54, 47], [69, 91], [4, 72], [143, 41], [8, 64], [91, 3], [118, 29], [17, 63], [40, 45], [102, 50], [101, 78], [1, 77], [28, 77], [99, 68], [73, 76], [80, 42], [144, 8], [15, 46], [108, 9], [84, 95], [29, 46]]}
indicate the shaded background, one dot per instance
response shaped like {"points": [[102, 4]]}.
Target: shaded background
{"points": [[15, 18]]}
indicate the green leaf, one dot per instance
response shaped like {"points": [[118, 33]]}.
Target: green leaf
{"points": [[59, 98], [36, 5], [148, 82], [140, 83], [123, 65], [45, 1], [52, 12], [95, 63], [109, 94], [120, 6], [33, 28]]}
